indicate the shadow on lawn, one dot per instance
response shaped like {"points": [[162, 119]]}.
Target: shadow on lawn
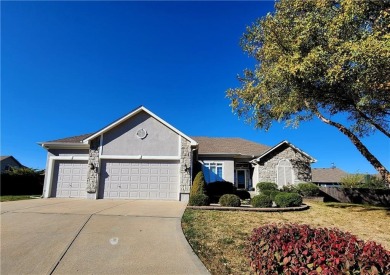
{"points": [[358, 207]]}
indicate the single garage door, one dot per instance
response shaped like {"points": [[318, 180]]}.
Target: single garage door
{"points": [[70, 179], [139, 180]]}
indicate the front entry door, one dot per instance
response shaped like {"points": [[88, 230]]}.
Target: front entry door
{"points": [[241, 179]]}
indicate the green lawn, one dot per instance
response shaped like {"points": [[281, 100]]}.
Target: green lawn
{"points": [[17, 198], [219, 237]]}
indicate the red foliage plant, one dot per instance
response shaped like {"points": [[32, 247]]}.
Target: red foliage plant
{"points": [[300, 249]]}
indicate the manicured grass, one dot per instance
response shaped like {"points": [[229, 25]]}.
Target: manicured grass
{"points": [[17, 198], [219, 238]]}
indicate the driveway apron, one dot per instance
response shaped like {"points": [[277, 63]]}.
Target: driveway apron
{"points": [[69, 236]]}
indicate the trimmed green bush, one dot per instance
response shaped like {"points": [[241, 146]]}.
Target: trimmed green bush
{"points": [[308, 189], [273, 194], [243, 194], [288, 199], [262, 186], [217, 189], [289, 188], [199, 185], [262, 201], [199, 200], [230, 200], [267, 192]]}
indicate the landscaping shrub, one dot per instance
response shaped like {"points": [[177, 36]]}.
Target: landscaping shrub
{"points": [[199, 185], [373, 182], [21, 181], [300, 249], [289, 188], [230, 200], [267, 192], [308, 189], [352, 180], [243, 194], [273, 194], [217, 189], [262, 186], [262, 201], [199, 200], [288, 199]]}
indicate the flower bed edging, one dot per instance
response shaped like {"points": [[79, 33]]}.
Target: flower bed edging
{"points": [[252, 209]]}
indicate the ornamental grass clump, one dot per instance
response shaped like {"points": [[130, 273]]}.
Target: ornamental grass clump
{"points": [[300, 249], [261, 201], [230, 200]]}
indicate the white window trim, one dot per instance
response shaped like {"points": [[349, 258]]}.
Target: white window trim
{"points": [[215, 162]]}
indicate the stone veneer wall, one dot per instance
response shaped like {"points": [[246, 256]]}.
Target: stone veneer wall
{"points": [[300, 163], [93, 174], [185, 161]]}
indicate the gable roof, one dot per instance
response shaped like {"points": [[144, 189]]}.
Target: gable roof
{"points": [[81, 141], [285, 142], [229, 146], [328, 174], [133, 113]]}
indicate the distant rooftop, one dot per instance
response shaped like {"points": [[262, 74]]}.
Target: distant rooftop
{"points": [[322, 175]]}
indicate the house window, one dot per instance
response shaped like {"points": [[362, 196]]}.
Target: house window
{"points": [[213, 171], [285, 173]]}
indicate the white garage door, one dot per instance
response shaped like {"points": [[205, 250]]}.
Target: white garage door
{"points": [[70, 179], [139, 180]]}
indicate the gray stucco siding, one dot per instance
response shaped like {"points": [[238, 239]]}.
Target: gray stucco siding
{"points": [[123, 139], [68, 152]]}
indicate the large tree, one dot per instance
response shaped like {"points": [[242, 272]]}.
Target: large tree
{"points": [[318, 59]]}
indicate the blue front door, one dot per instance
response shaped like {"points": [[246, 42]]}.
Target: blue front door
{"points": [[241, 179]]}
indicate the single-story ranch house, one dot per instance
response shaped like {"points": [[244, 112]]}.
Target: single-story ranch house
{"points": [[141, 156]]}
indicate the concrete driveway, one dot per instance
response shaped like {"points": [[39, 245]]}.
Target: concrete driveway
{"points": [[68, 236]]}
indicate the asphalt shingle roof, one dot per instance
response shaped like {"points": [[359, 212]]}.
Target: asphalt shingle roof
{"points": [[328, 174], [207, 145], [217, 145], [74, 139]]}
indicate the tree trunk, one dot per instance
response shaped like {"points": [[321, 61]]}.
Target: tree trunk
{"points": [[376, 125], [358, 144]]}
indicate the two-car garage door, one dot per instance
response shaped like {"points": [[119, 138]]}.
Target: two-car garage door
{"points": [[139, 179], [119, 179]]}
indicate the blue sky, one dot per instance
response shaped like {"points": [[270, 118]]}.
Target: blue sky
{"points": [[69, 68]]}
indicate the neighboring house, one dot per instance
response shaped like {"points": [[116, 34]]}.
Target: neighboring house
{"points": [[8, 162], [141, 156], [328, 176]]}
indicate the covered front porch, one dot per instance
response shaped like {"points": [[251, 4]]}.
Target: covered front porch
{"points": [[243, 175]]}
